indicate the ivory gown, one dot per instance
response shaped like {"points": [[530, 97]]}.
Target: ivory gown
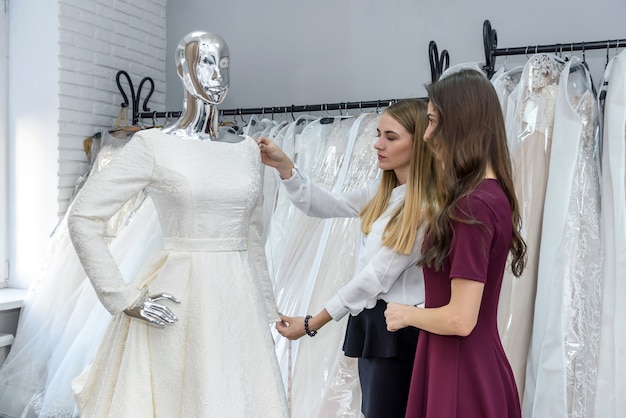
{"points": [[562, 364], [529, 136], [610, 400], [218, 359]]}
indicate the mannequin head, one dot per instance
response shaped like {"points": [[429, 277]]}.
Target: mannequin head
{"points": [[202, 60]]}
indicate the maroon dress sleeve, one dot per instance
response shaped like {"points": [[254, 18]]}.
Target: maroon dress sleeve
{"points": [[471, 242]]}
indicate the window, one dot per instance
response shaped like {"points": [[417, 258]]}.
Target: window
{"points": [[3, 139]]}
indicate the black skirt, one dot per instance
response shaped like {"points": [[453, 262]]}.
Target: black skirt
{"points": [[367, 336]]}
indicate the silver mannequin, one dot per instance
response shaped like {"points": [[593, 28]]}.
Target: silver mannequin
{"points": [[202, 61]]}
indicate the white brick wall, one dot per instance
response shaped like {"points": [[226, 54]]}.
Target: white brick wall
{"points": [[97, 38]]}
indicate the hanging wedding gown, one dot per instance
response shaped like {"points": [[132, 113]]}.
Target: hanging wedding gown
{"points": [[322, 364], [337, 153], [311, 149], [61, 321], [611, 389], [563, 357], [529, 137], [218, 359], [297, 255], [505, 83], [287, 138]]}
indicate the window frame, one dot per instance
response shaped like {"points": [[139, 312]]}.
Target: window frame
{"points": [[4, 129]]}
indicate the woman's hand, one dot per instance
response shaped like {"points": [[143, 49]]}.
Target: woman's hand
{"points": [[395, 316], [291, 327], [273, 156]]}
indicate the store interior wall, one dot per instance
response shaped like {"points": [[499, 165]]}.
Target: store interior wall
{"points": [[329, 51]]}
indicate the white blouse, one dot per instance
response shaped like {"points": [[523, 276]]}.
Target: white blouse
{"points": [[381, 272]]}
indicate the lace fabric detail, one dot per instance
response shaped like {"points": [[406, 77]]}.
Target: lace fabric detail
{"points": [[582, 281], [545, 70], [539, 86], [62, 408]]}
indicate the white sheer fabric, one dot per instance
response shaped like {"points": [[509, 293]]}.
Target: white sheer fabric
{"points": [[563, 357], [337, 156], [610, 401], [312, 148], [529, 139]]}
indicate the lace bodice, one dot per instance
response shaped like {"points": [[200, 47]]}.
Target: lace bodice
{"points": [[536, 102], [207, 194]]}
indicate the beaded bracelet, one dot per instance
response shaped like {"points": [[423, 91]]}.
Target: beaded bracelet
{"points": [[306, 326]]}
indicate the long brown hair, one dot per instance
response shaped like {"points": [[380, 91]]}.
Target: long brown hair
{"points": [[401, 230], [470, 134]]}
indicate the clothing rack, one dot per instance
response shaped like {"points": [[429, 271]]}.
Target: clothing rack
{"points": [[324, 107], [490, 42], [438, 64]]}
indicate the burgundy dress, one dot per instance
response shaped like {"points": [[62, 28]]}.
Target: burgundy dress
{"points": [[468, 377]]}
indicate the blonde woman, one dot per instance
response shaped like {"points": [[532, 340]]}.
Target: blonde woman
{"points": [[386, 270]]}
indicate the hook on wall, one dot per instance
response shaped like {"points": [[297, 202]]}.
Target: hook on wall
{"points": [[121, 89], [438, 63], [490, 44], [135, 96]]}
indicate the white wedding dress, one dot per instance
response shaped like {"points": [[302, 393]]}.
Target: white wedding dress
{"points": [[529, 136], [218, 359], [337, 154], [610, 401], [562, 364]]}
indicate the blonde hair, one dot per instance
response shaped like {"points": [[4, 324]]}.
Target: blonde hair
{"points": [[401, 230]]}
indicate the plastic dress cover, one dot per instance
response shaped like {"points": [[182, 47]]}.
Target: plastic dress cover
{"points": [[320, 379], [529, 135]]}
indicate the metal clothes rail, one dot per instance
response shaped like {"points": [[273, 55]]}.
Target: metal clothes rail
{"points": [[283, 109], [490, 42]]}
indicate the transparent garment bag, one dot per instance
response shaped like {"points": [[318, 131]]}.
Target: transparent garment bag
{"points": [[610, 400], [321, 381], [529, 136], [566, 329], [287, 239], [278, 205], [323, 364]]}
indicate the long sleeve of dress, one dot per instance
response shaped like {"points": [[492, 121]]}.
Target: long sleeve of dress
{"points": [[102, 196], [257, 254]]}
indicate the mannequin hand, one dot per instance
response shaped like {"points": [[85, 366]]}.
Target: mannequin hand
{"points": [[394, 315], [273, 156], [291, 327], [147, 309]]}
